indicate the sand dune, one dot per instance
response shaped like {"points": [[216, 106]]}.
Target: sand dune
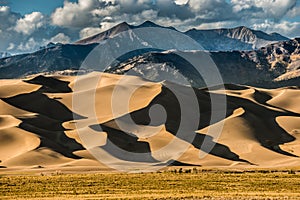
{"points": [[40, 126]]}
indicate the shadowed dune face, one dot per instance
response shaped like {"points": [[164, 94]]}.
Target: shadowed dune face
{"points": [[38, 125], [49, 114]]}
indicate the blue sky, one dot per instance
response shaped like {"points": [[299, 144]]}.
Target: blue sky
{"points": [[29, 6], [22, 6], [28, 24]]}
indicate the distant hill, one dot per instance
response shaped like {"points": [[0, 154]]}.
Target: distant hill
{"points": [[56, 58]]}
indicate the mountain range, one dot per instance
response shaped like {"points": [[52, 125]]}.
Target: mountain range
{"points": [[239, 38], [275, 65], [243, 56]]}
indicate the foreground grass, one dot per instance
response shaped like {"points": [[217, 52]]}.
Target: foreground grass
{"points": [[165, 185]]}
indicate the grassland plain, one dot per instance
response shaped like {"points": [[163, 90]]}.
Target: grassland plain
{"points": [[189, 184]]}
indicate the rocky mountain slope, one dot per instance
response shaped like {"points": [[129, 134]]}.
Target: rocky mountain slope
{"points": [[56, 58], [239, 38], [273, 65], [117, 30]]}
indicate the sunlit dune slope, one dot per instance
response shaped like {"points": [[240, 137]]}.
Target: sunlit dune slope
{"points": [[55, 122]]}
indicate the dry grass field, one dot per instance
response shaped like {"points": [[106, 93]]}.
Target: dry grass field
{"points": [[195, 184]]}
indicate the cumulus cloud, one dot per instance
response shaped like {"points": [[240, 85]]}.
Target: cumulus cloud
{"points": [[75, 14], [91, 16], [27, 33], [90, 13], [8, 18], [60, 38], [169, 9], [29, 23], [29, 45], [263, 9], [275, 8], [294, 12], [11, 46], [181, 2], [284, 27], [89, 31], [33, 44]]}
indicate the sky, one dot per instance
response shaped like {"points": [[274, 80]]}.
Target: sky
{"points": [[27, 25]]}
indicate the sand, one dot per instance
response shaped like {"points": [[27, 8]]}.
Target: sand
{"points": [[42, 126]]}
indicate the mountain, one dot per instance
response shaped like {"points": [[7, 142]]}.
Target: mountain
{"points": [[117, 30], [274, 65], [55, 58], [106, 34], [271, 66], [4, 55], [282, 58], [240, 38]]}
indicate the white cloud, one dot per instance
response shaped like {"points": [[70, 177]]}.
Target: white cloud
{"points": [[263, 9], [181, 2], [32, 44], [30, 23], [106, 11], [295, 12], [76, 15], [4, 9], [60, 38], [275, 9], [89, 31], [284, 27], [215, 25], [204, 5], [27, 33], [7, 18], [11, 46], [28, 46], [242, 5], [88, 15]]}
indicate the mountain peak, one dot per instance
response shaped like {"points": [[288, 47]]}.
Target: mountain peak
{"points": [[120, 27], [242, 27], [123, 24], [148, 24]]}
